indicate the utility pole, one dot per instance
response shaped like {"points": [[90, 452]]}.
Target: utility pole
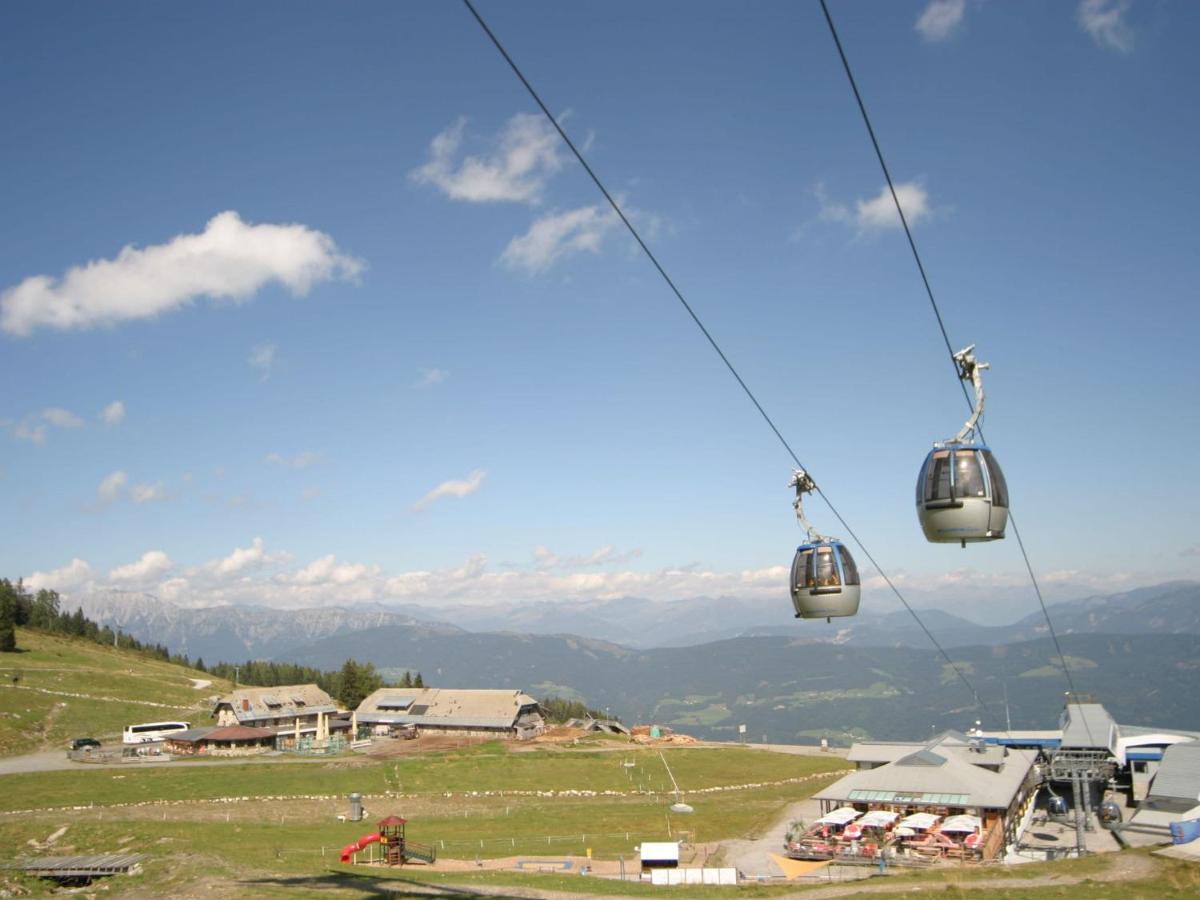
{"points": [[235, 675]]}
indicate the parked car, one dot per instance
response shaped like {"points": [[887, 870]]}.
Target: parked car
{"points": [[85, 743]]}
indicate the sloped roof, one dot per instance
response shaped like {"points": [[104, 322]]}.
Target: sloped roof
{"points": [[1178, 774], [953, 741], [227, 733], [957, 781], [922, 757], [1088, 725], [254, 703], [444, 706]]}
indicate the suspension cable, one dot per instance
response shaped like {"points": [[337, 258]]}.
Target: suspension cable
{"points": [[912, 244], [712, 341]]}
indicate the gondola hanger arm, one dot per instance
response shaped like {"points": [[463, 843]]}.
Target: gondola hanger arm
{"points": [[969, 370], [804, 484]]}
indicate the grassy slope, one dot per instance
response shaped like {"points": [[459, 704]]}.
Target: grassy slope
{"points": [[287, 846], [31, 719], [484, 768]]}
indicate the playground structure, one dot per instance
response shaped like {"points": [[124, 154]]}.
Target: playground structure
{"points": [[397, 850]]}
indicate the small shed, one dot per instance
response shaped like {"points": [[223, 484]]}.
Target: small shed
{"points": [[659, 854]]}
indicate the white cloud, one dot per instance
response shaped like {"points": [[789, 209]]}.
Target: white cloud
{"points": [[1105, 21], [74, 574], [148, 492], [262, 357], [61, 418], [453, 488], [173, 589], [113, 414], [525, 155], [230, 259], [241, 558], [878, 213], [544, 558], [327, 570], [30, 429], [430, 377], [940, 19], [152, 565], [554, 236], [35, 427], [299, 461], [111, 486]]}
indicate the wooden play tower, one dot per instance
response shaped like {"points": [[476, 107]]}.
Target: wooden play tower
{"points": [[391, 836], [398, 849]]}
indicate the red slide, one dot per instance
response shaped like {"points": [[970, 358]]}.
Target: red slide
{"points": [[350, 849]]}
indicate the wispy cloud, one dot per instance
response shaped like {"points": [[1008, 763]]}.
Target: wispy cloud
{"points": [[544, 558], [1105, 21], [524, 155], [879, 212], [430, 377], [35, 427], [557, 235], [262, 357], [300, 461], [941, 18], [453, 488], [229, 260], [113, 414], [111, 486], [148, 492]]}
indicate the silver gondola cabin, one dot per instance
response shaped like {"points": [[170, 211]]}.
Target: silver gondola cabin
{"points": [[825, 580], [961, 493]]}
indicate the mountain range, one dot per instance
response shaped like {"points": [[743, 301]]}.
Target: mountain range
{"points": [[874, 675]]}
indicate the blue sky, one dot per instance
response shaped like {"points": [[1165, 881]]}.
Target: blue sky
{"points": [[374, 337]]}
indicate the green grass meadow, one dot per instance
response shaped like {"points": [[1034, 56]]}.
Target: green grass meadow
{"points": [[117, 686], [270, 828]]}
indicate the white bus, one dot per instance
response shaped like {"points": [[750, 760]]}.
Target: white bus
{"points": [[152, 731]]}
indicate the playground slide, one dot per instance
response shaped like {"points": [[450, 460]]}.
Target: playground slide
{"points": [[350, 849]]}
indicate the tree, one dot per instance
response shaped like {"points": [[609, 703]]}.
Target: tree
{"points": [[418, 681], [44, 609], [8, 620], [355, 681], [406, 680]]}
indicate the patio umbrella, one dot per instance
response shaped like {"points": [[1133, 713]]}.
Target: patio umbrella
{"points": [[840, 816], [962, 823], [920, 821], [877, 818]]}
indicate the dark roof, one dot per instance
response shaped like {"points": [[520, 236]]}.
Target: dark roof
{"points": [[239, 733], [392, 820], [191, 735]]}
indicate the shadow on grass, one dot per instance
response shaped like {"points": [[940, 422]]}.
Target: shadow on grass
{"points": [[365, 886]]}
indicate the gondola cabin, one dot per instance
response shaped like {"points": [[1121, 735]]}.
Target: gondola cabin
{"points": [[825, 581], [961, 495]]}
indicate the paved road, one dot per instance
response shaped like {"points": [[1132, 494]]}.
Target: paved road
{"points": [[56, 760]]}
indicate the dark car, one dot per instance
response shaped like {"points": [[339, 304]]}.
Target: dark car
{"points": [[85, 744]]}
